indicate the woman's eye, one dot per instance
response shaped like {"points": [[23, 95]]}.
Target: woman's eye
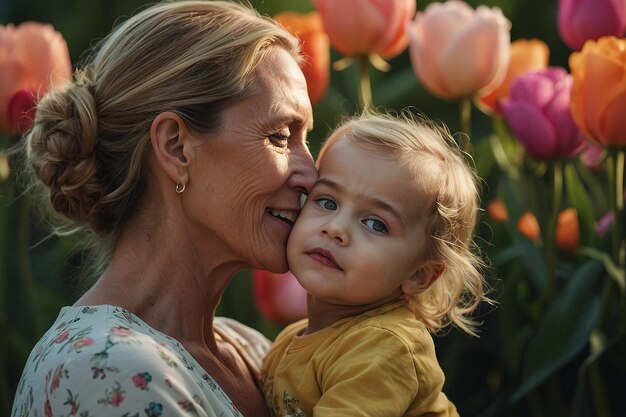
{"points": [[375, 225], [327, 204], [280, 139]]}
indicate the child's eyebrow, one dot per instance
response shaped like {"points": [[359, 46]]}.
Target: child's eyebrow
{"points": [[372, 200]]}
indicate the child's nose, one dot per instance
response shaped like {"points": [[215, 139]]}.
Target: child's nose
{"points": [[336, 229]]}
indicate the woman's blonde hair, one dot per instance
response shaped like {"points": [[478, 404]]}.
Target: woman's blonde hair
{"points": [[429, 150], [88, 143]]}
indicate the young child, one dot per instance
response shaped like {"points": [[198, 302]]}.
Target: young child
{"points": [[384, 248]]}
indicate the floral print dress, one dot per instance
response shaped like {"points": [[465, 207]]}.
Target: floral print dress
{"points": [[105, 361]]}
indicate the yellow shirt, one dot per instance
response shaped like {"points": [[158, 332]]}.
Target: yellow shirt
{"points": [[379, 363]]}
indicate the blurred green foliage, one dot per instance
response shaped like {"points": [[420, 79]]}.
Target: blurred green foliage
{"points": [[530, 359]]}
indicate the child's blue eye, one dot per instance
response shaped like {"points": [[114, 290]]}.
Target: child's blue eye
{"points": [[376, 225], [327, 204]]}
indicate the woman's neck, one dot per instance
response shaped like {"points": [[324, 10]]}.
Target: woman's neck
{"points": [[158, 274]]}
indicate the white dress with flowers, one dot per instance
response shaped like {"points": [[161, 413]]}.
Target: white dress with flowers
{"points": [[105, 361]]}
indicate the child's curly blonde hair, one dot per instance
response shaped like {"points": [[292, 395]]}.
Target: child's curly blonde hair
{"points": [[430, 151]]}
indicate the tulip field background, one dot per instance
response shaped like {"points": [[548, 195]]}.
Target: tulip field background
{"points": [[555, 343]]}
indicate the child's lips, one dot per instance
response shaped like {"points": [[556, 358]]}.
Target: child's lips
{"points": [[324, 257]]}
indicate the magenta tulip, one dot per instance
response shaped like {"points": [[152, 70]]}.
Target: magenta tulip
{"points": [[581, 20], [538, 113]]}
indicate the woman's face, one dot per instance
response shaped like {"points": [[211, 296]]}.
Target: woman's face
{"points": [[248, 177]]}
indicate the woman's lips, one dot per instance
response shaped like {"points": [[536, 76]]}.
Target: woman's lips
{"points": [[324, 257]]}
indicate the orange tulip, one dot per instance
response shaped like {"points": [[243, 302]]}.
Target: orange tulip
{"points": [[367, 26], [497, 210], [315, 49], [528, 225], [567, 230], [33, 59], [525, 55], [599, 90]]}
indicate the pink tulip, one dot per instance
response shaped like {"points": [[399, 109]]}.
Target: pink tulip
{"points": [[605, 223], [33, 59], [538, 113], [581, 20], [279, 297], [592, 155], [457, 51], [367, 26]]}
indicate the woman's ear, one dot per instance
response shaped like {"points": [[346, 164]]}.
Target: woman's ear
{"points": [[172, 146], [423, 278]]}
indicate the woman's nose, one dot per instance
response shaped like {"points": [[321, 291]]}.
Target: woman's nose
{"points": [[304, 172]]}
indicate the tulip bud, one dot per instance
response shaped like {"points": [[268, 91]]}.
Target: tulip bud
{"points": [[315, 50], [581, 20], [457, 51], [605, 223], [528, 225], [525, 56], [367, 26], [33, 59], [497, 210], [279, 297], [567, 230], [538, 113], [599, 90]]}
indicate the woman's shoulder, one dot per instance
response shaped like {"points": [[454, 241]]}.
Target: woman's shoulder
{"points": [[98, 341], [105, 358]]}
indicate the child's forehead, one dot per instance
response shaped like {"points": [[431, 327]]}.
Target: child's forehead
{"points": [[349, 145]]}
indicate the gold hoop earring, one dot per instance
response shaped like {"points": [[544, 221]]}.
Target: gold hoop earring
{"points": [[180, 188]]}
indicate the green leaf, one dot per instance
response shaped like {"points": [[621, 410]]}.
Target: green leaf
{"points": [[564, 330], [614, 272]]}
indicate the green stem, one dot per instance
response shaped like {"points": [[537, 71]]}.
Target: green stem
{"points": [[505, 163], [365, 88], [25, 273], [6, 195], [551, 250], [616, 181], [465, 123], [618, 243], [598, 391]]}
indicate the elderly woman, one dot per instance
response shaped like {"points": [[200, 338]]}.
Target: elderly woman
{"points": [[181, 145]]}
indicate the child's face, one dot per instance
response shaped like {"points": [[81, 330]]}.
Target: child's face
{"points": [[361, 231]]}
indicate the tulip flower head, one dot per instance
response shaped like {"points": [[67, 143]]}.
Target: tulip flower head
{"points": [[367, 26], [315, 50], [279, 297], [599, 90], [525, 55], [497, 210], [567, 230], [33, 59], [528, 225], [457, 51], [538, 113], [581, 20]]}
